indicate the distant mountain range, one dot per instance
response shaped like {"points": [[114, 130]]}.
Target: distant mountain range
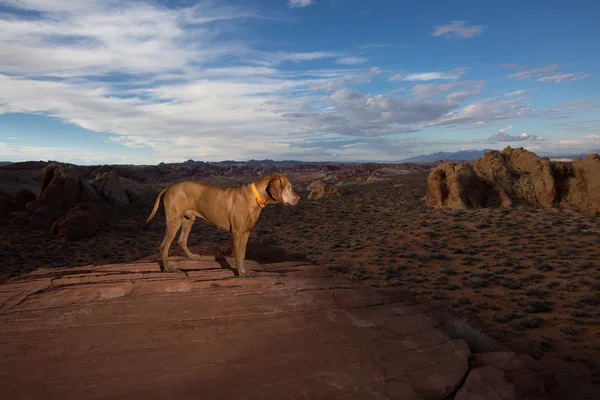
{"points": [[463, 155], [249, 163], [469, 155]]}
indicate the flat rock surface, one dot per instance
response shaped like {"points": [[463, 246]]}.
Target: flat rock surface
{"points": [[130, 331]]}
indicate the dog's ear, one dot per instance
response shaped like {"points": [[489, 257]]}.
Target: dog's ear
{"points": [[275, 189]]}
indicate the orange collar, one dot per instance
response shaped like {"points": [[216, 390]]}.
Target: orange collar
{"points": [[258, 199]]}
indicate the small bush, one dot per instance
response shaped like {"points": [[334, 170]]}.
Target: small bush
{"points": [[527, 323], [477, 341]]}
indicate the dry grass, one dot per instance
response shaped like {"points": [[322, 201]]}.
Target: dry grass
{"points": [[460, 328]]}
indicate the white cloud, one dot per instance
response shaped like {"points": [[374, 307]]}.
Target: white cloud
{"points": [[504, 136], [591, 126], [458, 29], [563, 77], [517, 93], [429, 76], [465, 89], [528, 73], [352, 60], [348, 78], [80, 156], [546, 73], [299, 3]]}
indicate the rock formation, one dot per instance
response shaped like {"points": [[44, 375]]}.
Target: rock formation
{"points": [[65, 204], [584, 183], [318, 190], [109, 187], [81, 222], [454, 186], [486, 383], [516, 176], [22, 197]]}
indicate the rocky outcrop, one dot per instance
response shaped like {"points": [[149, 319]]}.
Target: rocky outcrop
{"points": [[81, 222], [583, 181], [516, 176], [318, 190], [486, 383], [351, 342], [22, 198], [109, 187], [519, 174], [454, 186], [61, 189]]}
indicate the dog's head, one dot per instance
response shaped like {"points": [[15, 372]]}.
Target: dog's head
{"points": [[280, 189]]}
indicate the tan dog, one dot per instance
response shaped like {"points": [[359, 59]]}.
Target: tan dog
{"points": [[234, 210]]}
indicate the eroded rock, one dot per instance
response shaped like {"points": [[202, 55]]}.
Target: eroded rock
{"points": [[455, 186], [486, 383], [318, 191], [516, 176], [61, 189], [109, 187], [81, 222], [22, 198]]}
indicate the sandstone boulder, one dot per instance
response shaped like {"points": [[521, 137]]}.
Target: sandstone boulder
{"points": [[81, 222], [109, 187], [139, 192], [61, 189], [516, 176], [314, 184], [506, 361], [22, 197], [486, 383], [319, 191], [455, 186], [584, 183]]}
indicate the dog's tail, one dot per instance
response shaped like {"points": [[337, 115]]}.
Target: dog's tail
{"points": [[156, 203]]}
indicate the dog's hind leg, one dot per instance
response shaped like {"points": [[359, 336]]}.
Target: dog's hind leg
{"points": [[173, 226], [186, 227]]}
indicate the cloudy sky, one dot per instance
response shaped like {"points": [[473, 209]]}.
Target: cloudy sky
{"points": [[131, 81]]}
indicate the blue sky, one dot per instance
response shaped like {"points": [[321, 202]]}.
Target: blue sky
{"points": [[143, 82]]}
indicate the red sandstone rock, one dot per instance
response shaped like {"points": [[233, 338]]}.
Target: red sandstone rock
{"points": [[486, 383], [285, 336], [318, 190], [109, 187], [455, 186], [22, 198], [515, 176], [584, 186], [61, 189], [80, 222], [504, 360]]}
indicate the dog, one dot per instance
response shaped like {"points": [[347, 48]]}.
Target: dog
{"points": [[234, 209]]}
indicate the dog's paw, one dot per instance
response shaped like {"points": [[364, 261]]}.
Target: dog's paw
{"points": [[195, 257]]}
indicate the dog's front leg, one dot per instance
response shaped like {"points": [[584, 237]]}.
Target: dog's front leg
{"points": [[240, 240]]}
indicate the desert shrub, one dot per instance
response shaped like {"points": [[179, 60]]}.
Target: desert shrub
{"points": [[538, 307], [527, 323], [477, 341]]}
